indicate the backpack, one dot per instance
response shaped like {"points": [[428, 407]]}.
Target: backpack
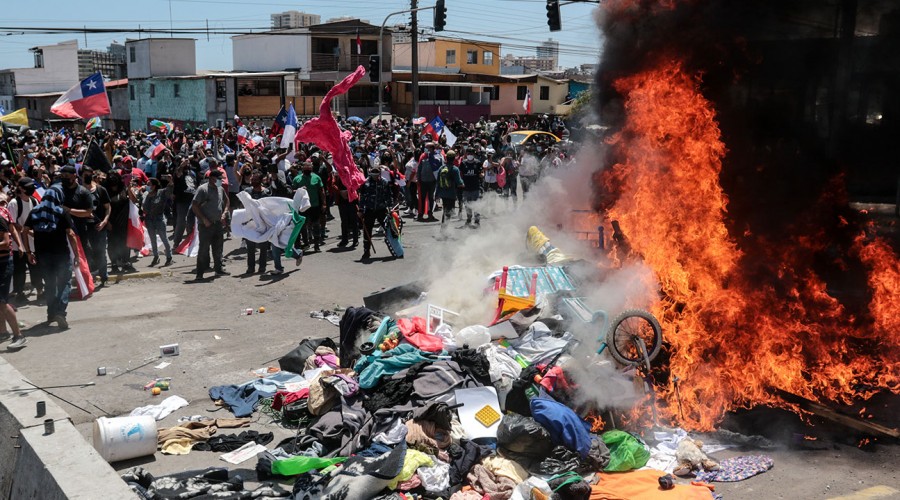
{"points": [[444, 179], [34, 204]]}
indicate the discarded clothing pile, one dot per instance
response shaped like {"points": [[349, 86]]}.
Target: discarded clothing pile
{"points": [[211, 483], [396, 408]]}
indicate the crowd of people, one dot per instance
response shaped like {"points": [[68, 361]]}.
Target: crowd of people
{"points": [[61, 189]]}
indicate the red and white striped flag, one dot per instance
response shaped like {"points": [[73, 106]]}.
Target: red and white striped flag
{"points": [[527, 104], [190, 245], [358, 43], [83, 280], [135, 235]]}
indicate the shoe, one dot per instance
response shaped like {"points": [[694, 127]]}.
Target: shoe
{"points": [[18, 343], [298, 259], [250, 271], [61, 321], [103, 282], [114, 269], [316, 249], [155, 261], [168, 261], [128, 268], [199, 277], [222, 272], [276, 272], [431, 219], [342, 243], [21, 298], [366, 255], [355, 243], [420, 219]]}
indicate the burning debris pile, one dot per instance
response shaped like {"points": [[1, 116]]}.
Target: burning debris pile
{"points": [[748, 312]]}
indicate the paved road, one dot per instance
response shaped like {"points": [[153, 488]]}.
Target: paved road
{"points": [[122, 327]]}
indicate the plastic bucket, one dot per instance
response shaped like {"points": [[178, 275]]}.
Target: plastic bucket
{"points": [[124, 437]]}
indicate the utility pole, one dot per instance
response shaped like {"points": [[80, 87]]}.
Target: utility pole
{"points": [[381, 58], [415, 58]]}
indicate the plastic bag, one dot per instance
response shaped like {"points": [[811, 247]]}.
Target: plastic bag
{"points": [[626, 452], [473, 336], [523, 440]]}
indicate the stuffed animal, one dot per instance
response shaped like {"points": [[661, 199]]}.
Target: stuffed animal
{"points": [[691, 458]]}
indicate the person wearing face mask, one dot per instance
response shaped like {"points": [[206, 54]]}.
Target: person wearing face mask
{"points": [[374, 201], [471, 170], [315, 188], [210, 206], [79, 204], [155, 202], [97, 230], [257, 191], [426, 176]]}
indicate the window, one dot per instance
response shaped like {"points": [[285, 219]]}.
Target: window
{"points": [[471, 57], [176, 90], [451, 56], [315, 88], [152, 90], [220, 89], [545, 92], [495, 93], [247, 87], [131, 55], [488, 58], [38, 58], [521, 91], [131, 92]]}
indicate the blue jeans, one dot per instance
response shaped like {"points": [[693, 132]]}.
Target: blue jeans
{"points": [[157, 227], [56, 269], [276, 256]]}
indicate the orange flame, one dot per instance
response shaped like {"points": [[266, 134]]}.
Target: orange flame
{"points": [[740, 331], [596, 421]]}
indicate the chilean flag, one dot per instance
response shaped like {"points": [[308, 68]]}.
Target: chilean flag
{"points": [[434, 127], [527, 104], [290, 128], [135, 234], [278, 126], [84, 281], [243, 135], [86, 99], [189, 246], [155, 150], [358, 43]]}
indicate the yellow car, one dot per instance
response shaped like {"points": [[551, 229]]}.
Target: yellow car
{"points": [[522, 138]]}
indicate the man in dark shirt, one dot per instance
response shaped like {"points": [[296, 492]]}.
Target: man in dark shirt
{"points": [[374, 200], [51, 250], [95, 250], [77, 201], [471, 168]]}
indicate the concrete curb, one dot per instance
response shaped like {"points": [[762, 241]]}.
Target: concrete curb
{"points": [[57, 466]]}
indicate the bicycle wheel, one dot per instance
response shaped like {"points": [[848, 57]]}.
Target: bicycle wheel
{"points": [[629, 326]]}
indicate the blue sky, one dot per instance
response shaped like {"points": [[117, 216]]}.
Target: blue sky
{"points": [[521, 23]]}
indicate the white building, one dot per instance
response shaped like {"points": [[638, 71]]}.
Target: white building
{"points": [[294, 19], [55, 70], [264, 52], [151, 57], [549, 49]]}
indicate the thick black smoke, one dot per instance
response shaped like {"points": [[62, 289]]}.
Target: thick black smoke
{"points": [[807, 95]]}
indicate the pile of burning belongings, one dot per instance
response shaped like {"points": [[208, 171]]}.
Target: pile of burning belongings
{"points": [[410, 407]]}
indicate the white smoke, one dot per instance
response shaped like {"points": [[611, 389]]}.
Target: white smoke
{"points": [[459, 268]]}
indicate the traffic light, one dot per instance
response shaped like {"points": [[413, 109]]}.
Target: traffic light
{"points": [[374, 68], [440, 15], [553, 19]]}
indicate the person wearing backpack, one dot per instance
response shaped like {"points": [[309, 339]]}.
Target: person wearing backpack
{"points": [[429, 165], [19, 209], [53, 232], [449, 185]]}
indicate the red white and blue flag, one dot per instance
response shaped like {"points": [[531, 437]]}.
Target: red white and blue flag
{"points": [[290, 128], [155, 150], [434, 127], [86, 99], [420, 120], [278, 126]]}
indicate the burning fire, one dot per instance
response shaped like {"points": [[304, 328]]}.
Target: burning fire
{"points": [[596, 421], [742, 326]]}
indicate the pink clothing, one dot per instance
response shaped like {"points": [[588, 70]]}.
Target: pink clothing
{"points": [[324, 132], [413, 331]]}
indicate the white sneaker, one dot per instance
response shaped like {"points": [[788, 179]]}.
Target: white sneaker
{"points": [[18, 343]]}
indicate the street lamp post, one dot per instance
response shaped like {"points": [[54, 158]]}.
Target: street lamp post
{"points": [[381, 56]]}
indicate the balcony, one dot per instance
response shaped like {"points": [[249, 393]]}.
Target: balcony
{"points": [[342, 62]]}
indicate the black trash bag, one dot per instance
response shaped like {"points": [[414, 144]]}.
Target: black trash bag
{"points": [[523, 440], [352, 323], [561, 460], [516, 399], [295, 360]]}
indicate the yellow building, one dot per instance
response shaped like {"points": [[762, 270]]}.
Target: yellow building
{"points": [[438, 53]]}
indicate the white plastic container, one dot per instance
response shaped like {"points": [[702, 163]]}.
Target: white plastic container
{"points": [[125, 437]]}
